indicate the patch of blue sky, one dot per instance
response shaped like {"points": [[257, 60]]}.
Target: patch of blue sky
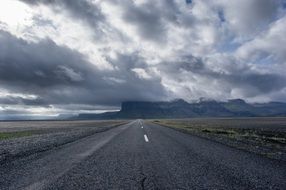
{"points": [[221, 16], [189, 1], [228, 47]]}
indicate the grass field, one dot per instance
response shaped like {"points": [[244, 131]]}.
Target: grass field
{"points": [[17, 134], [265, 136]]}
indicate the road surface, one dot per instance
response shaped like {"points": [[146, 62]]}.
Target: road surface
{"points": [[139, 155]]}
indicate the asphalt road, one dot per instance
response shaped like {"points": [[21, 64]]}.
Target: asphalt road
{"points": [[143, 156]]}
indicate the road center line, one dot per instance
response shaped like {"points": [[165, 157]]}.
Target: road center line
{"points": [[146, 138]]}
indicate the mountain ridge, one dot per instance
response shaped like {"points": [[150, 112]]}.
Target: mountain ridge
{"points": [[182, 109]]}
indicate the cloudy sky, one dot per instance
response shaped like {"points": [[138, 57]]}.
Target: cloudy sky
{"points": [[70, 56]]}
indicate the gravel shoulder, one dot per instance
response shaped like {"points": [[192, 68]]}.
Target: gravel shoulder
{"points": [[27, 138]]}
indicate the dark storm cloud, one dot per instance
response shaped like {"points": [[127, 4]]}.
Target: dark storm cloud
{"points": [[82, 10], [251, 83], [215, 49], [40, 64], [58, 75], [148, 22], [145, 18], [254, 84], [149, 18], [127, 79], [188, 63], [125, 62]]}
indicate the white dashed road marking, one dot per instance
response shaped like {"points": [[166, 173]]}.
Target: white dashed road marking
{"points": [[146, 138]]}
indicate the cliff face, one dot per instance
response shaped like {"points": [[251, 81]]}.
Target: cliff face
{"points": [[182, 109]]}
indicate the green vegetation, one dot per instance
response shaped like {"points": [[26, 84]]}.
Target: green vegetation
{"points": [[251, 135], [17, 134], [254, 134]]}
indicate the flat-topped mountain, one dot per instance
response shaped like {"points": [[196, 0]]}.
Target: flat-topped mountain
{"points": [[182, 109]]}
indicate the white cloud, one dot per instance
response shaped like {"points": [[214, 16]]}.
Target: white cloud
{"points": [[70, 73], [217, 49], [268, 46], [4, 93], [248, 17], [141, 73], [15, 16]]}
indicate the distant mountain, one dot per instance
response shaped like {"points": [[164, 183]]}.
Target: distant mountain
{"points": [[182, 109]]}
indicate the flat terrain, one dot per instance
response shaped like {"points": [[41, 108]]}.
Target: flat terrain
{"points": [[265, 136], [135, 155], [23, 138]]}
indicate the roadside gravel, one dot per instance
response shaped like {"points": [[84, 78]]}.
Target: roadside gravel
{"points": [[51, 138]]}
